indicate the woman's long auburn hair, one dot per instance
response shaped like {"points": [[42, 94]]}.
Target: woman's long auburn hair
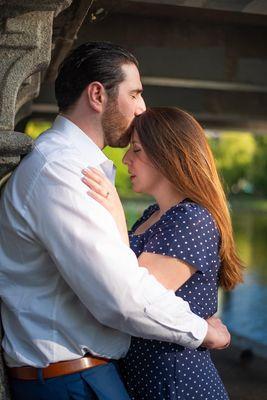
{"points": [[177, 146]]}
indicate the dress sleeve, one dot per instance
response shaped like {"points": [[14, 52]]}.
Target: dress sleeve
{"points": [[187, 233]]}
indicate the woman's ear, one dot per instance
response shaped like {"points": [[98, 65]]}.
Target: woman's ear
{"points": [[97, 96]]}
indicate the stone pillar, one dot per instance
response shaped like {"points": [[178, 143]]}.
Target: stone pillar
{"points": [[25, 49]]}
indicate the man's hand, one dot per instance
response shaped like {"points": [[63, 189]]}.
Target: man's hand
{"points": [[217, 336]]}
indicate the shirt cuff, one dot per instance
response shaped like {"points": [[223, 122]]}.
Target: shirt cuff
{"points": [[188, 329], [199, 332]]}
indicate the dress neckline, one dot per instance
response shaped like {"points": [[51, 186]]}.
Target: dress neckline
{"points": [[154, 208]]}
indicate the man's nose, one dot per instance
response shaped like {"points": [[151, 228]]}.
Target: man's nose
{"points": [[141, 106]]}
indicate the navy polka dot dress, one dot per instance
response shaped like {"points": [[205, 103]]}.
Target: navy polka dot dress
{"points": [[157, 370]]}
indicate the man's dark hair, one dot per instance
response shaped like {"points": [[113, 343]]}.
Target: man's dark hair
{"points": [[90, 62]]}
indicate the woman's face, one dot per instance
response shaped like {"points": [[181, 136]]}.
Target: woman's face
{"points": [[143, 174]]}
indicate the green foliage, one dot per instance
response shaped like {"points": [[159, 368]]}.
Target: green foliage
{"points": [[234, 153], [35, 127], [259, 166], [123, 182]]}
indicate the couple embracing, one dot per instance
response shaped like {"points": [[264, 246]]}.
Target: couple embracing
{"points": [[89, 310]]}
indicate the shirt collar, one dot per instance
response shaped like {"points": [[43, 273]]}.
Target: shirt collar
{"points": [[90, 151]]}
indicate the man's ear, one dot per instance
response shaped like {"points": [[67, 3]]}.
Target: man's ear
{"points": [[97, 96]]}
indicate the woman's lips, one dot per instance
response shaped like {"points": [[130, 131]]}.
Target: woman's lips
{"points": [[132, 176]]}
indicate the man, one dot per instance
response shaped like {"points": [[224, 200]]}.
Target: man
{"points": [[72, 292]]}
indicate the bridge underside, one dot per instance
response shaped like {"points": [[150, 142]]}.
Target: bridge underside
{"points": [[210, 58]]}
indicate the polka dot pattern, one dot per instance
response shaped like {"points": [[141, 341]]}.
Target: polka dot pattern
{"points": [[157, 370]]}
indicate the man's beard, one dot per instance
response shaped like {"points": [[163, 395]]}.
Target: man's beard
{"points": [[115, 126]]}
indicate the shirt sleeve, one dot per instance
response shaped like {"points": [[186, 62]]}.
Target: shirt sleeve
{"points": [[189, 234], [84, 242]]}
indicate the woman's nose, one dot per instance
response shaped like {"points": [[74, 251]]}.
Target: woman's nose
{"points": [[126, 158]]}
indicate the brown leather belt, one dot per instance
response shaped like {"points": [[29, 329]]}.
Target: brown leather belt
{"points": [[57, 369]]}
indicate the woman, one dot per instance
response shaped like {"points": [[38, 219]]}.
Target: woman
{"points": [[185, 240]]}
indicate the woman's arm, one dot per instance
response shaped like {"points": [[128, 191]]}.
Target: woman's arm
{"points": [[169, 271]]}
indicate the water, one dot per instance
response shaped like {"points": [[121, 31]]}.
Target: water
{"points": [[244, 309]]}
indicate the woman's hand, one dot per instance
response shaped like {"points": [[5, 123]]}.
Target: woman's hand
{"points": [[218, 336], [105, 193]]}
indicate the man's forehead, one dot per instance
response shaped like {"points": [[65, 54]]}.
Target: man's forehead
{"points": [[132, 77]]}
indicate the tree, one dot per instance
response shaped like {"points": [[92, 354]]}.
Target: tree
{"points": [[234, 153], [259, 166]]}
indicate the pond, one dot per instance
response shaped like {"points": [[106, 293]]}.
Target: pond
{"points": [[244, 309]]}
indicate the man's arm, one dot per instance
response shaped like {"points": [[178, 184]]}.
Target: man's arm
{"points": [[85, 244]]}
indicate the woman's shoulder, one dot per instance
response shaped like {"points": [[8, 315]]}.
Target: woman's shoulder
{"points": [[190, 214], [190, 208]]}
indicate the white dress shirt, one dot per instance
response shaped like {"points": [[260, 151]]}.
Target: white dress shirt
{"points": [[68, 283]]}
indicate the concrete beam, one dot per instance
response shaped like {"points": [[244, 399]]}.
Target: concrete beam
{"points": [[244, 6], [178, 49], [226, 11], [226, 109], [214, 108], [202, 84]]}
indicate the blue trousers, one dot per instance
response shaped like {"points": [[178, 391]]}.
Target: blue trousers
{"points": [[103, 382]]}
